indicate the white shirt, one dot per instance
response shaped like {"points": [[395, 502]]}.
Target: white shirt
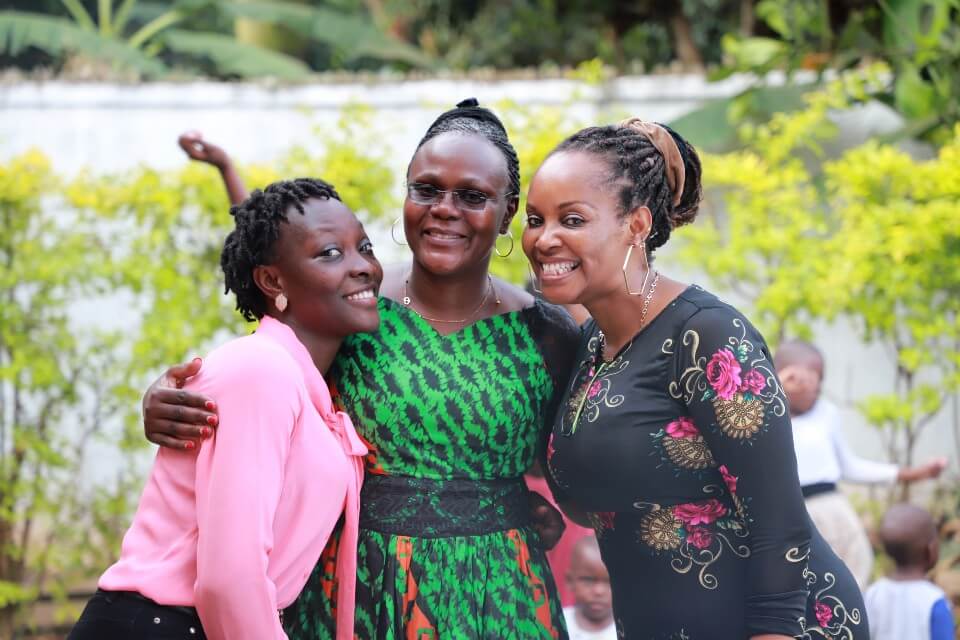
{"points": [[900, 609], [578, 633], [823, 454]]}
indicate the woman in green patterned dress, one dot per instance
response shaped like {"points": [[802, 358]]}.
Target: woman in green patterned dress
{"points": [[452, 393]]}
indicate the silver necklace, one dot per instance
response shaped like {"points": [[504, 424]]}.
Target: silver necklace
{"points": [[643, 319]]}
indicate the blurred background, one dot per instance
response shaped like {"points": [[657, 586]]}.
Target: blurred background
{"points": [[830, 139]]}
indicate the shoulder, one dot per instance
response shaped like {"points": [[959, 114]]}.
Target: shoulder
{"points": [[552, 321], [704, 316], [512, 297], [250, 362]]}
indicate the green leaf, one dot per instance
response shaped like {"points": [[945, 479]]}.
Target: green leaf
{"points": [[749, 53], [80, 15], [710, 127], [914, 98], [353, 36], [58, 37], [234, 58]]}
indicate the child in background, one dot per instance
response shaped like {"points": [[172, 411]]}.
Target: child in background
{"points": [[591, 616], [824, 458], [906, 605]]}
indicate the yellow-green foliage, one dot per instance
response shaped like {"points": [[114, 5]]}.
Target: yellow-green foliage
{"points": [[873, 236], [145, 243], [895, 267]]}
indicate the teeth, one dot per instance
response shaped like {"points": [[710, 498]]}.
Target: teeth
{"points": [[558, 268], [366, 294], [443, 236]]}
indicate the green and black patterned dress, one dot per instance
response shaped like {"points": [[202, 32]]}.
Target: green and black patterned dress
{"points": [[453, 422]]}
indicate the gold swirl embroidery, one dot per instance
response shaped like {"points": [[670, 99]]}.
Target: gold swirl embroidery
{"points": [[836, 626], [594, 392], [795, 555], [690, 556], [661, 530]]}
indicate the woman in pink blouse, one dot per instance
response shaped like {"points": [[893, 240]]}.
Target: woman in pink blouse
{"points": [[225, 538]]}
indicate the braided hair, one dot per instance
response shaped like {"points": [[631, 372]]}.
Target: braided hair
{"points": [[470, 117], [252, 242], [639, 170]]}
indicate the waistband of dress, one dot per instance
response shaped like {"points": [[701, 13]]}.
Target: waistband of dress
{"points": [[818, 489], [428, 508]]}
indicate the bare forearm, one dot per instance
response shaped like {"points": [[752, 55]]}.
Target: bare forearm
{"points": [[236, 190]]}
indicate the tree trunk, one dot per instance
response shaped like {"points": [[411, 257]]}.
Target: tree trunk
{"points": [[748, 18], [686, 49]]}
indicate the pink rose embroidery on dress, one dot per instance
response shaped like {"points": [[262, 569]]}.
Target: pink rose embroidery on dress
{"points": [[753, 382], [824, 613], [723, 374], [728, 478], [691, 514], [682, 427], [700, 537]]}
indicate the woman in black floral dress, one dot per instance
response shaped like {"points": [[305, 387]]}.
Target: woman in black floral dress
{"points": [[674, 439]]}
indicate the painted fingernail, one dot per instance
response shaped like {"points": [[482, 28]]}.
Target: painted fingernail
{"points": [[206, 431], [197, 361], [212, 421], [210, 405], [189, 445]]}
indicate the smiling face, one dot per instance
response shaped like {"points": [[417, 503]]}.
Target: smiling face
{"points": [[444, 239], [326, 268], [575, 238]]}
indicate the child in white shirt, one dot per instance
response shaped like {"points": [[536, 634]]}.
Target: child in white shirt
{"points": [[906, 604], [591, 616]]}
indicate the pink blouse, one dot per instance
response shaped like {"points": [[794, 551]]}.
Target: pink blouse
{"points": [[235, 528]]}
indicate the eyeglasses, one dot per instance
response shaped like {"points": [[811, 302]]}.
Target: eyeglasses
{"points": [[469, 200]]}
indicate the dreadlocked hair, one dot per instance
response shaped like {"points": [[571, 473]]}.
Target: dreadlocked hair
{"points": [[470, 117], [639, 171], [252, 242]]}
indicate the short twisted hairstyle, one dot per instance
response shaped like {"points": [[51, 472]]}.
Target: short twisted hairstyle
{"points": [[636, 167], [253, 240]]}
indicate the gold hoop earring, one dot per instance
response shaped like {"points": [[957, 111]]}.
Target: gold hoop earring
{"points": [[393, 233], [281, 302], [646, 264], [508, 234], [533, 279]]}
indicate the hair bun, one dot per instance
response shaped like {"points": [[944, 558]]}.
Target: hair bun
{"points": [[469, 102]]}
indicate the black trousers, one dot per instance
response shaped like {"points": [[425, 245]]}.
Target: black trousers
{"points": [[118, 615]]}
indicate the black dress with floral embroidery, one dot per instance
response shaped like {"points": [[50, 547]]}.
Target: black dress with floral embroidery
{"points": [[680, 450]]}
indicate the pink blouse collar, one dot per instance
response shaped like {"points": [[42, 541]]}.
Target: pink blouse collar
{"points": [[317, 387]]}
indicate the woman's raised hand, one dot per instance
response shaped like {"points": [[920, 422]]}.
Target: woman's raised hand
{"points": [[196, 147]]}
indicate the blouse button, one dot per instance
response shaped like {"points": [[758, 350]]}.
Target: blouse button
{"points": [[193, 631], [156, 621]]}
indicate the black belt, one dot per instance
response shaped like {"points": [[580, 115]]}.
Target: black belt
{"points": [[818, 488], [133, 595], [426, 508]]}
